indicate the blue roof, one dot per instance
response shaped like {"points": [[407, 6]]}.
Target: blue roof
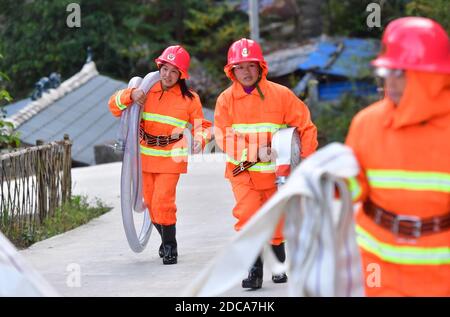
{"points": [[353, 61], [16, 106], [83, 113], [335, 90]]}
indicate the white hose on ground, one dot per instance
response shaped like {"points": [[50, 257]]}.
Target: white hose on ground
{"points": [[323, 257], [131, 177], [17, 278]]}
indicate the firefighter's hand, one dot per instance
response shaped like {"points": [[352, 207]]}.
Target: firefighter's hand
{"points": [[138, 96], [197, 147], [265, 154]]}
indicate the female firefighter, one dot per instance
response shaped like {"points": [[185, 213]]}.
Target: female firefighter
{"points": [[168, 108], [402, 144], [246, 116]]}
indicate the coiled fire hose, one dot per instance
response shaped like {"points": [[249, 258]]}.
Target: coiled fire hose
{"points": [[286, 144], [323, 256], [131, 178]]}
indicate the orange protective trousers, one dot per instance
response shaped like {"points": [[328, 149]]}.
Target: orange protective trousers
{"points": [[159, 195], [249, 200]]}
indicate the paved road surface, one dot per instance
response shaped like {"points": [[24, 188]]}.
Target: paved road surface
{"points": [[99, 250]]}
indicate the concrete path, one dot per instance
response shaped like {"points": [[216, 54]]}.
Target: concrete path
{"points": [[95, 260]]}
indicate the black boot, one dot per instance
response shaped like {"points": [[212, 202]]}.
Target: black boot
{"points": [[161, 248], [169, 244], [281, 256], [255, 275]]}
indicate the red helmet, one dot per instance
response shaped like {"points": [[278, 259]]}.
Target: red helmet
{"points": [[415, 43], [176, 56], [244, 50]]}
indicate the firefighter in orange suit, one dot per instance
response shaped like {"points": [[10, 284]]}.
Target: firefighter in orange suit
{"points": [[168, 108], [246, 116], [403, 146]]}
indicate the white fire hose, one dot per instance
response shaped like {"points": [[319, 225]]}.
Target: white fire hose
{"points": [[17, 278], [131, 177], [286, 143], [323, 257]]}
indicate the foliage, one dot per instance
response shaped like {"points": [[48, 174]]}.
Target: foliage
{"points": [[37, 40], [125, 36], [437, 10], [71, 215], [348, 17], [333, 119], [7, 137], [209, 31]]}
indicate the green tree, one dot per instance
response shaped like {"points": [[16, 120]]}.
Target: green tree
{"points": [[209, 30], [333, 119], [437, 10], [38, 41], [125, 36], [348, 17], [7, 137]]}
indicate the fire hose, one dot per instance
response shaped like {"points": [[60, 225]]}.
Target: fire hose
{"points": [[286, 144], [323, 257], [131, 177]]}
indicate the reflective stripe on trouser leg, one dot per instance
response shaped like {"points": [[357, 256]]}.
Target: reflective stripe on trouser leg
{"points": [[248, 201], [160, 190]]}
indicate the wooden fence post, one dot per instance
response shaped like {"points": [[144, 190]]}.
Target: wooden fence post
{"points": [[67, 169], [40, 181]]}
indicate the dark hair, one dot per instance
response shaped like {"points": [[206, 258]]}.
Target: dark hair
{"points": [[185, 90]]}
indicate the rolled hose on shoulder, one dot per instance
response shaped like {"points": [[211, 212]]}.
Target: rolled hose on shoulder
{"points": [[286, 144], [131, 178]]}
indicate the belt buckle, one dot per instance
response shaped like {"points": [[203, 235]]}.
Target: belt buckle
{"points": [[436, 224], [416, 221], [378, 215], [164, 140]]}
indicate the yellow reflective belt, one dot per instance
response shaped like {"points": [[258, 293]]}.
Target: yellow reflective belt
{"points": [[402, 254], [408, 180], [164, 119], [164, 153], [257, 127]]}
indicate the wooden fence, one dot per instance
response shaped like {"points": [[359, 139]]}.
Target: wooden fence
{"points": [[34, 182]]}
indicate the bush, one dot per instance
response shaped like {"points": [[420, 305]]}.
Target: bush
{"points": [[71, 215], [8, 138], [433, 9], [333, 119]]}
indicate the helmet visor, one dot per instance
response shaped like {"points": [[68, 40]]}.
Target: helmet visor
{"points": [[384, 72]]}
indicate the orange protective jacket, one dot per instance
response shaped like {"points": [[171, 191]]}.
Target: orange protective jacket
{"points": [[404, 154], [166, 113], [245, 122]]}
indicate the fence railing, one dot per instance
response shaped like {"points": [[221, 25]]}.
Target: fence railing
{"points": [[34, 182]]}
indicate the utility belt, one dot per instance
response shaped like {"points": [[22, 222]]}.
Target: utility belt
{"points": [[243, 166], [409, 226], [158, 140]]}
